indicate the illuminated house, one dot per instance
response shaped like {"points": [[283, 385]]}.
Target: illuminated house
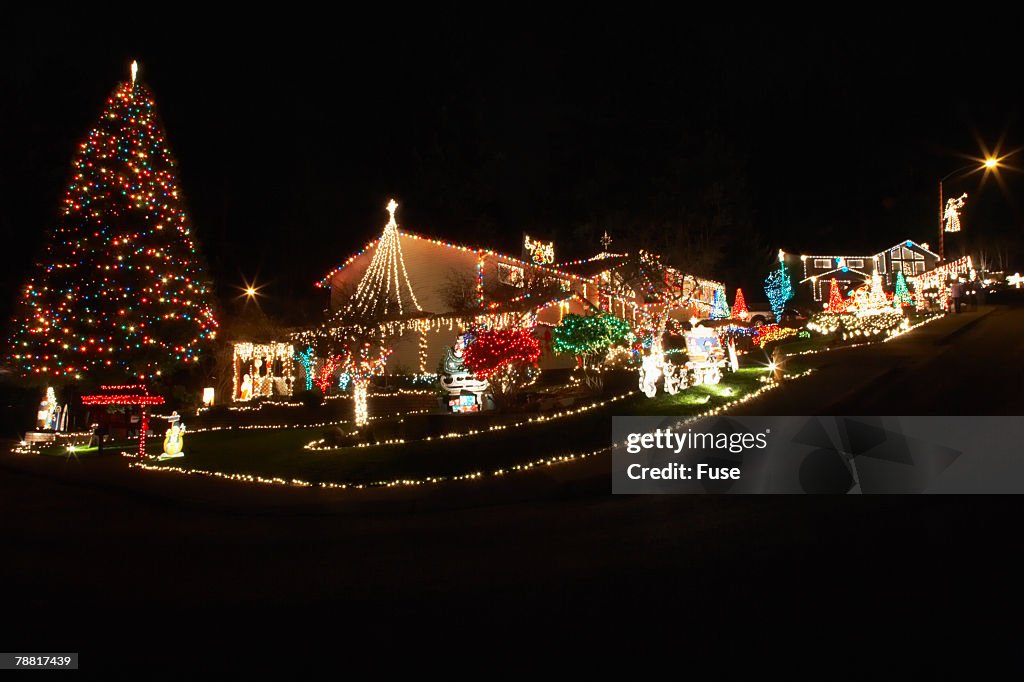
{"points": [[816, 272], [426, 291]]}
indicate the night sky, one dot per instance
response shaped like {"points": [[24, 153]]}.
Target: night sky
{"points": [[292, 134]]}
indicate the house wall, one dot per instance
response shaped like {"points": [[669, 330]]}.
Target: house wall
{"points": [[813, 273], [912, 258]]}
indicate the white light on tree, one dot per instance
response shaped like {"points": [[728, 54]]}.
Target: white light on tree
{"points": [[386, 282], [135, 71], [951, 217]]}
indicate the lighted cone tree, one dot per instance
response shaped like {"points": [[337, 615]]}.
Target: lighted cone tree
{"points": [[720, 306], [121, 286], [505, 358], [835, 304], [739, 306], [902, 293]]}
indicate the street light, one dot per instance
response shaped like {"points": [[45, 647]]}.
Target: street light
{"points": [[250, 290], [990, 163]]}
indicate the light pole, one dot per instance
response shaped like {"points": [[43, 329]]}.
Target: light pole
{"points": [[990, 163]]}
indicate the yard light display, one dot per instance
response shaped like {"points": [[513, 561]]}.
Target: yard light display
{"points": [[836, 303], [868, 313], [935, 283], [262, 370], [386, 282], [466, 477], [306, 360], [325, 376], [739, 307], [495, 350], [902, 292], [771, 333], [121, 286], [361, 362], [778, 287], [583, 335], [542, 253], [174, 439], [951, 215], [127, 394], [720, 306]]}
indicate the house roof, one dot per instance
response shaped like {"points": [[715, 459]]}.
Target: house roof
{"points": [[853, 254], [841, 271], [594, 266], [555, 269]]}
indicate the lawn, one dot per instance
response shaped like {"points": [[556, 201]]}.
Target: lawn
{"points": [[280, 453]]}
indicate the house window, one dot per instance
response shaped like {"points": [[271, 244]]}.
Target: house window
{"points": [[511, 275], [822, 262], [919, 266], [855, 262]]}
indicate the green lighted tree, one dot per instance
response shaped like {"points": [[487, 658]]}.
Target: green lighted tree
{"points": [[587, 336], [779, 289], [902, 292]]}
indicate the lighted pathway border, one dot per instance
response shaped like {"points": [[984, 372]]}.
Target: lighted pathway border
{"points": [[472, 476]]}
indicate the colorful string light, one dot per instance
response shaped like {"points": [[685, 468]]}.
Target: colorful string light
{"points": [[121, 285]]}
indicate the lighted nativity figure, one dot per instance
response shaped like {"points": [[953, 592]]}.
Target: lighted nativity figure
{"points": [[651, 369], [46, 415], [245, 392], [174, 440]]}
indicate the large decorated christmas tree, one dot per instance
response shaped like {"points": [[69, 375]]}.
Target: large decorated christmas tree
{"points": [[121, 287]]}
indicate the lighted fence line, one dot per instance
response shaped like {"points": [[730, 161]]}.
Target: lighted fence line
{"points": [[316, 446], [260, 404], [471, 476], [319, 425], [895, 335]]}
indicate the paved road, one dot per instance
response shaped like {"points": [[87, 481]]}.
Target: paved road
{"points": [[543, 562], [960, 364]]}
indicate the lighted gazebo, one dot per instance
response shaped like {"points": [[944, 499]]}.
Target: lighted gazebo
{"points": [[127, 394]]}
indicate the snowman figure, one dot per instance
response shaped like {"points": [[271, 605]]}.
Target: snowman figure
{"points": [[174, 440]]}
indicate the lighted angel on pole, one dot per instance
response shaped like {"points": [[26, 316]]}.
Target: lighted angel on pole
{"points": [[951, 216]]}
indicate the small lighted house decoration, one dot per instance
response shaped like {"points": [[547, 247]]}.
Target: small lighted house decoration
{"points": [[208, 394], [127, 395], [262, 370]]}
